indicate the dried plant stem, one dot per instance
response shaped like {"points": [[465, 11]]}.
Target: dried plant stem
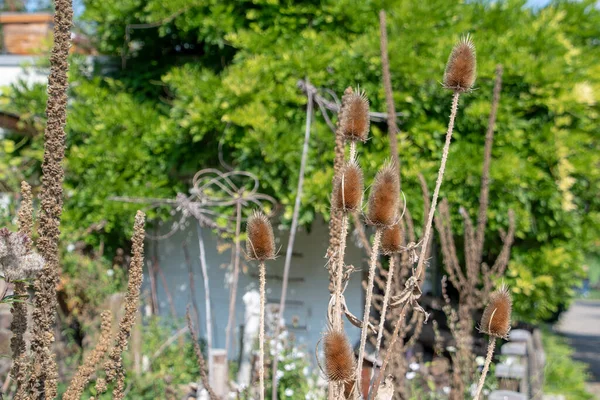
{"points": [[485, 175], [386, 299], [390, 349], [43, 380], [389, 95], [114, 364], [339, 271], [200, 357], [352, 151], [486, 366], [261, 334], [365, 320], [18, 325], [85, 371], [427, 235]]}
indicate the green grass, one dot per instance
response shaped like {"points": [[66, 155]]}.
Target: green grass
{"points": [[563, 375]]}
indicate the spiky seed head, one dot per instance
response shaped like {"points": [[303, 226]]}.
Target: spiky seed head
{"points": [[384, 197], [461, 68], [260, 244], [391, 240], [339, 358], [355, 117], [348, 188], [496, 316]]}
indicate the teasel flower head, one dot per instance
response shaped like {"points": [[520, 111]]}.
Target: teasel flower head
{"points": [[260, 244], [384, 198], [496, 316], [16, 260], [391, 240], [348, 188], [461, 68], [355, 119], [339, 357]]}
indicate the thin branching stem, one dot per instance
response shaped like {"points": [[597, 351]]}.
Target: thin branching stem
{"points": [[486, 366], [386, 299], [261, 335]]}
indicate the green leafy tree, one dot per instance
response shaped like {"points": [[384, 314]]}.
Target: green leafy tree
{"points": [[190, 74]]}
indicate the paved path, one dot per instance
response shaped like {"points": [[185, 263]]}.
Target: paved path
{"points": [[581, 325]]}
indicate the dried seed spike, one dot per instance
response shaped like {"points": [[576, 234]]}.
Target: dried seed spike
{"points": [[496, 316], [355, 121], [384, 198], [461, 67], [348, 188], [260, 244], [391, 240], [339, 357]]}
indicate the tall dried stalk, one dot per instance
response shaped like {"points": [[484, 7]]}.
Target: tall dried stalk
{"points": [[113, 366], [199, 357], [18, 325], [85, 371], [43, 380]]}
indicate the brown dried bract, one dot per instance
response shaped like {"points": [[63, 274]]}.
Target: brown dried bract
{"points": [[384, 197], [461, 67], [348, 188], [355, 120], [496, 316], [391, 240], [339, 358], [261, 242]]}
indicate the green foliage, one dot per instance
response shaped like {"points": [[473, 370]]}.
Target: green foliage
{"points": [[562, 374], [226, 71]]}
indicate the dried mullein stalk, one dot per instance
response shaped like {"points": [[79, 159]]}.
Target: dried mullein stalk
{"points": [[384, 197], [260, 246], [355, 121], [18, 309], [339, 357], [87, 369], [461, 67], [495, 322], [114, 364], [391, 240], [199, 357], [43, 379], [348, 188]]}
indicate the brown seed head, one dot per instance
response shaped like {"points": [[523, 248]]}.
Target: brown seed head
{"points": [[384, 197], [496, 316], [339, 358], [260, 244], [355, 119], [461, 67], [348, 188], [391, 240]]}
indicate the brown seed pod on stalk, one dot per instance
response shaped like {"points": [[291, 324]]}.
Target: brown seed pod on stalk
{"points": [[339, 357], [355, 121], [348, 188], [384, 197], [496, 316], [391, 240], [260, 244], [461, 67]]}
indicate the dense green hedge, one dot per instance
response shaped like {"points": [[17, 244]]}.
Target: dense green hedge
{"points": [[146, 128]]}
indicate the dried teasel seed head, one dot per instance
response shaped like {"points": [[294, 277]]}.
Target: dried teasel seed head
{"points": [[339, 357], [348, 188], [355, 118], [461, 67], [384, 198], [260, 244], [496, 316], [391, 240]]}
